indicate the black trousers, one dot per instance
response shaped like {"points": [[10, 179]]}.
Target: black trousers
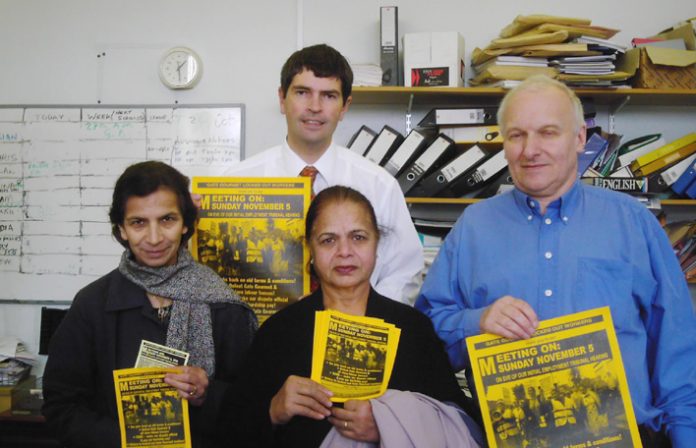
{"points": [[652, 439]]}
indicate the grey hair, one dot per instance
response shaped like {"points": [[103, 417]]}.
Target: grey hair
{"points": [[538, 83]]}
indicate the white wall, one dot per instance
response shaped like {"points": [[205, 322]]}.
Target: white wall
{"points": [[48, 55]]}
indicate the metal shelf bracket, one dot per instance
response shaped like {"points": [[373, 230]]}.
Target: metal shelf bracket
{"points": [[408, 114], [614, 109]]}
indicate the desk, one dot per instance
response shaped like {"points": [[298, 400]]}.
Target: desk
{"points": [[25, 431]]}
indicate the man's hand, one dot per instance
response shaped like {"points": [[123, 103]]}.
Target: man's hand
{"points": [[300, 396], [191, 382], [355, 421], [509, 317]]}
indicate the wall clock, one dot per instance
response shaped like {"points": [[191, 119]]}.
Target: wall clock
{"points": [[180, 68]]}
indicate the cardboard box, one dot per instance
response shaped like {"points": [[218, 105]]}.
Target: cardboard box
{"points": [[668, 68], [433, 59], [659, 68]]}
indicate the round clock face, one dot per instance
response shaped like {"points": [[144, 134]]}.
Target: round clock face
{"points": [[180, 68]]}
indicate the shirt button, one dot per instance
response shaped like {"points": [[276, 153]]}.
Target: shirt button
{"points": [[529, 217], [547, 221], [548, 293], [565, 219], [532, 204], [548, 255]]}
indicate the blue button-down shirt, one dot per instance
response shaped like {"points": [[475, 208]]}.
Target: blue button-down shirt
{"points": [[591, 248]]}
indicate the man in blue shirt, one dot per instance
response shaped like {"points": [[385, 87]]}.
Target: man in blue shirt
{"points": [[554, 246]]}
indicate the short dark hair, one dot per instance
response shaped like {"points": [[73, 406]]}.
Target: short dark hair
{"points": [[324, 61], [144, 178]]}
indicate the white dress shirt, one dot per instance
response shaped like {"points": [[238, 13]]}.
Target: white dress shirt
{"points": [[399, 254]]}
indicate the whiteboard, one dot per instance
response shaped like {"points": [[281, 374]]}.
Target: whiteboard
{"points": [[58, 165]]}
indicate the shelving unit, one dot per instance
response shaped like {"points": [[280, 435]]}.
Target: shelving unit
{"points": [[613, 99]]}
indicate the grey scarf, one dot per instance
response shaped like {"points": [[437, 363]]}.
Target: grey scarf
{"points": [[191, 286]]}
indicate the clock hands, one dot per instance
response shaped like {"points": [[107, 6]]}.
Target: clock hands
{"points": [[180, 66]]}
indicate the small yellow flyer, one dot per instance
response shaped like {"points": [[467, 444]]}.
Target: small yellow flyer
{"points": [[150, 412], [565, 387], [251, 232], [353, 356]]}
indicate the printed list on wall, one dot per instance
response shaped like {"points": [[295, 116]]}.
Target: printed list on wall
{"points": [[58, 166]]}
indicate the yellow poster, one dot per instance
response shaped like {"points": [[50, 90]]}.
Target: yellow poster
{"points": [[151, 414], [251, 232], [564, 387]]}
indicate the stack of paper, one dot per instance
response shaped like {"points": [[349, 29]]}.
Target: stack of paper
{"points": [[586, 65], [353, 356], [366, 75], [567, 48], [15, 361]]}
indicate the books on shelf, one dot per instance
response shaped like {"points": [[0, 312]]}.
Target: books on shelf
{"points": [[687, 177], [625, 184], [665, 160], [632, 149], [594, 147], [368, 75], [675, 146]]}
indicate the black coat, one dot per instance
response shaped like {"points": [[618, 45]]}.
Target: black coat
{"points": [[283, 347], [80, 401]]}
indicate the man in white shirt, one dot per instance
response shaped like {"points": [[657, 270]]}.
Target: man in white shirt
{"points": [[314, 95]]}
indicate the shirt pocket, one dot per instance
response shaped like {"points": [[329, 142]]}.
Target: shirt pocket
{"points": [[602, 282]]}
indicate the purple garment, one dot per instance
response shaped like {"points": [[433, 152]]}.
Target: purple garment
{"points": [[410, 419]]}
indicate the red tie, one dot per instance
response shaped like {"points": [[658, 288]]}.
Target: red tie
{"points": [[311, 172]]}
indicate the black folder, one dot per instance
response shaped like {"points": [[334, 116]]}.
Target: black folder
{"points": [[361, 140], [425, 162], [450, 172], [484, 173], [459, 116], [384, 145], [406, 153]]}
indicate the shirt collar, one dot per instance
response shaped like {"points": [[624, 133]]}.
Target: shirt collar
{"points": [[326, 165], [564, 206]]}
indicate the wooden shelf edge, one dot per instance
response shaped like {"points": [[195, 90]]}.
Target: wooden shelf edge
{"points": [[684, 202], [394, 94], [498, 90], [441, 200], [414, 200]]}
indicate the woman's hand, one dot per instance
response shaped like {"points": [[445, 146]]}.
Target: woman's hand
{"points": [[191, 382], [300, 396], [355, 421]]}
